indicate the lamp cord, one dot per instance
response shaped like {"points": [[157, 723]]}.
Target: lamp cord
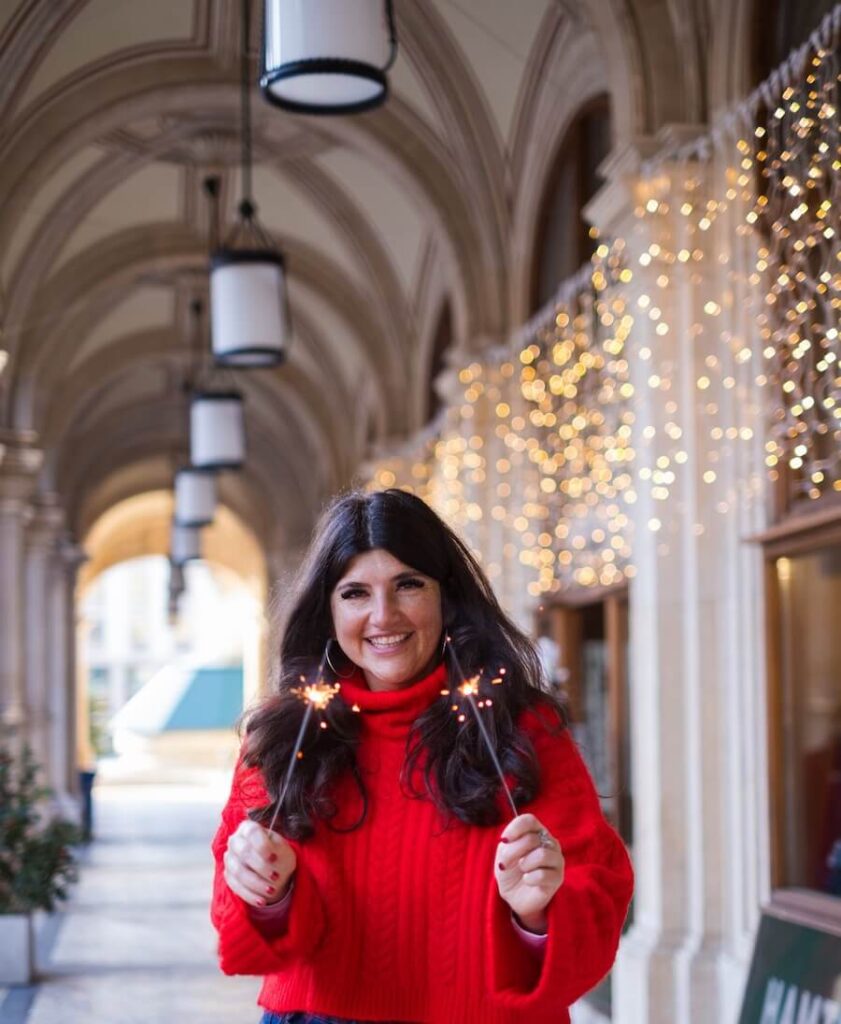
{"points": [[246, 206], [194, 371]]}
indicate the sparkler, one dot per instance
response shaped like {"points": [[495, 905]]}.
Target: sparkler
{"points": [[469, 689], [316, 696]]}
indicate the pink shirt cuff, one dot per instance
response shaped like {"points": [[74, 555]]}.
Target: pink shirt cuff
{"points": [[536, 943], [273, 919]]}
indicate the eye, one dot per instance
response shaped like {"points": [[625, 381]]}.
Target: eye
{"points": [[351, 592], [412, 583]]}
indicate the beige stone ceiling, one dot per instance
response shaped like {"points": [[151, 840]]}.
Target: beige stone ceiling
{"points": [[111, 114]]}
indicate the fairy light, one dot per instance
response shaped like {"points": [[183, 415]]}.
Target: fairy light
{"points": [[543, 442], [316, 696], [468, 688]]}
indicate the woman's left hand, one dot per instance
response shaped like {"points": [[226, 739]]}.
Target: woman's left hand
{"points": [[529, 870]]}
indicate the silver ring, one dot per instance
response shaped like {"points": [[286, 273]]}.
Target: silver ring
{"points": [[546, 840]]}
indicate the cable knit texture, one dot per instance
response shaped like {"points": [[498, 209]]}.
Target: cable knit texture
{"points": [[401, 920]]}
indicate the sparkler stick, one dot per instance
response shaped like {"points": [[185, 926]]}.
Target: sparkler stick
{"points": [[316, 696], [469, 688]]}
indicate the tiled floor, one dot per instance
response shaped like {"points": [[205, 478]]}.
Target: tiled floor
{"points": [[134, 945]]}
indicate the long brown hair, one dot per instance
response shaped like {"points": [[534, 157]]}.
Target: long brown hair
{"points": [[447, 760]]}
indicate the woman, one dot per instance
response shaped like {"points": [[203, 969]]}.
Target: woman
{"points": [[396, 885]]}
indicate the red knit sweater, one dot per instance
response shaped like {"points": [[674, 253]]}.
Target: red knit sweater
{"points": [[401, 920]]}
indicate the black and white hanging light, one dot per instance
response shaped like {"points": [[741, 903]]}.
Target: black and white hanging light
{"points": [[195, 496], [217, 430], [217, 415], [184, 544], [175, 589], [327, 56], [248, 302]]}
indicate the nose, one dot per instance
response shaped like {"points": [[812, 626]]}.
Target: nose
{"points": [[383, 608]]}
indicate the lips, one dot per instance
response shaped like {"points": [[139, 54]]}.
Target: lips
{"points": [[389, 642]]}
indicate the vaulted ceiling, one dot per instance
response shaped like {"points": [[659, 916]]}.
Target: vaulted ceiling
{"points": [[113, 112]]}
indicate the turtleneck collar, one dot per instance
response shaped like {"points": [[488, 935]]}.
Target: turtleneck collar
{"points": [[391, 713]]}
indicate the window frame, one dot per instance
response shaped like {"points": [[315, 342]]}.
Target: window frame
{"points": [[555, 618], [798, 535], [570, 147]]}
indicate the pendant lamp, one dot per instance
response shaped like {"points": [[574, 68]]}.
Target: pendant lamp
{"points": [[185, 544], [175, 590], [195, 497], [217, 430], [327, 56], [248, 301]]}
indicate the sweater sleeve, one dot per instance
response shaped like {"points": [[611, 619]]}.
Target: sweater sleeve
{"points": [[585, 916], [243, 947]]}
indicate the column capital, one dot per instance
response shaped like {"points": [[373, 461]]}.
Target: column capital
{"points": [[20, 463], [615, 201], [46, 523], [71, 554]]}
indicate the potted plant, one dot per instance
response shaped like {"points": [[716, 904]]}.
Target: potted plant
{"points": [[36, 863]]}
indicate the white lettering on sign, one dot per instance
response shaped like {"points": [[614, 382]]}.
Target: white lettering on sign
{"points": [[831, 1012], [774, 992], [782, 1006], [809, 1009]]}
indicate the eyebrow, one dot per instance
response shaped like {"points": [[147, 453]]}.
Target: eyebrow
{"points": [[394, 579]]}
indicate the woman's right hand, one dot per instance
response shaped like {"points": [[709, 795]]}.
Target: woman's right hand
{"points": [[258, 864]]}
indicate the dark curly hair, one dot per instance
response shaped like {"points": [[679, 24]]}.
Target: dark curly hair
{"points": [[447, 760]]}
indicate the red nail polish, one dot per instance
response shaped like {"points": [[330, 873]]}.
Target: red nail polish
{"points": [[501, 866], [269, 890], [261, 902], [504, 840], [273, 858], [275, 875]]}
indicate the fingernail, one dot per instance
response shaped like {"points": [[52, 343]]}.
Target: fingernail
{"points": [[269, 890], [504, 840], [501, 866], [261, 902], [275, 875], [272, 858]]}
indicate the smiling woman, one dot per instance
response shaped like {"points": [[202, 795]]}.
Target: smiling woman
{"points": [[396, 890], [387, 618]]}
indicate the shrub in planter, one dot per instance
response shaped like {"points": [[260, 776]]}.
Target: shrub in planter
{"points": [[36, 862]]}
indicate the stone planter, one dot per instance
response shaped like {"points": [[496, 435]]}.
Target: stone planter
{"points": [[17, 961]]}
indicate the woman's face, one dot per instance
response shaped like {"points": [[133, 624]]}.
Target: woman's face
{"points": [[387, 618]]}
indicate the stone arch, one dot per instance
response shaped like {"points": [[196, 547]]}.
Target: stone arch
{"points": [[542, 125], [118, 263]]}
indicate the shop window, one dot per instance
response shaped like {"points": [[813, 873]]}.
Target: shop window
{"points": [[804, 577], [563, 242]]}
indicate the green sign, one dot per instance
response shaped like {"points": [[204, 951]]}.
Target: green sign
{"points": [[795, 976]]}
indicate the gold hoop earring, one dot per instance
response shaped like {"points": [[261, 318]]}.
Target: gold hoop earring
{"points": [[333, 669]]}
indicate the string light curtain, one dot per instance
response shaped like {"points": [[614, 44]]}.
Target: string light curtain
{"points": [[691, 358], [744, 222], [327, 56]]}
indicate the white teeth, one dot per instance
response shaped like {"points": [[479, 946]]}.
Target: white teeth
{"points": [[387, 641]]}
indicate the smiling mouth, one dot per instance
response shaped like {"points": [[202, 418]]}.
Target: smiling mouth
{"points": [[387, 643]]}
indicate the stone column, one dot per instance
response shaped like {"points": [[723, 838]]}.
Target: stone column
{"points": [[20, 462], [67, 559], [697, 705], [41, 630]]}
